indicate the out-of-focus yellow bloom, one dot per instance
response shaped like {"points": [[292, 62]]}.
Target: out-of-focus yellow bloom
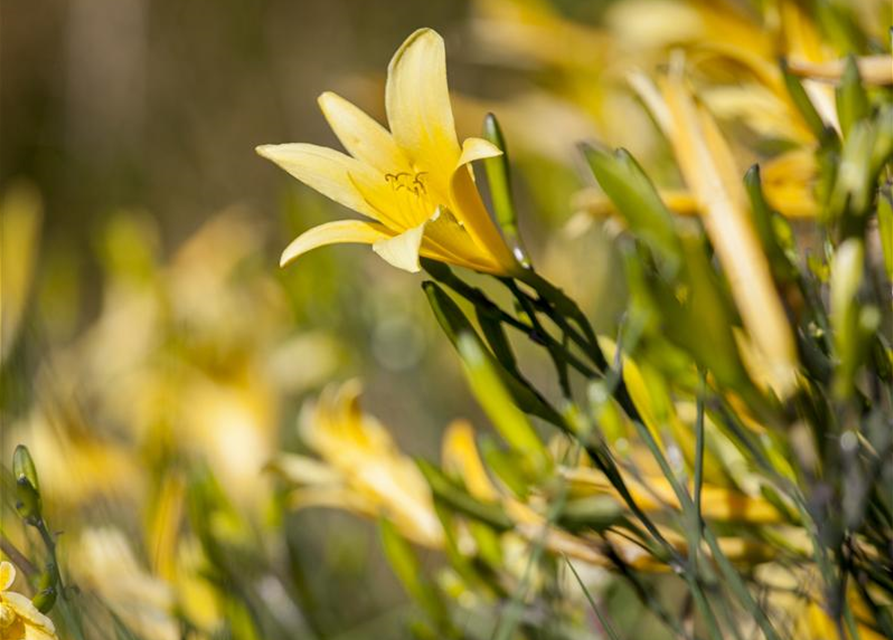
{"points": [[190, 372], [362, 470], [798, 594], [19, 619], [588, 64], [104, 562], [414, 181], [460, 457], [76, 464], [20, 212]]}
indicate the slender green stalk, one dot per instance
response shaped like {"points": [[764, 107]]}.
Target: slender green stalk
{"points": [[602, 619]]}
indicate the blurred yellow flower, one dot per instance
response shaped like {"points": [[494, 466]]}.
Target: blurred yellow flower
{"points": [[799, 594], [708, 168], [361, 470], [414, 181], [19, 619], [20, 218], [104, 563]]}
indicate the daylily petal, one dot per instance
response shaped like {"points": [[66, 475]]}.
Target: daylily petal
{"points": [[337, 232], [7, 575], [302, 470], [418, 103], [446, 240], [460, 455], [471, 213], [326, 170], [477, 149], [875, 70], [402, 250], [363, 137], [33, 618]]}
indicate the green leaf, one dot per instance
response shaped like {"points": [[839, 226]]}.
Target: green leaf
{"points": [[803, 104], [885, 227], [461, 501], [409, 571], [854, 182], [882, 152], [852, 100], [506, 466], [767, 224], [494, 334], [853, 323], [636, 199], [455, 324], [499, 179], [494, 398], [592, 512], [697, 317]]}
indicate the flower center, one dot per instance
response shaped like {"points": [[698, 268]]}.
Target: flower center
{"points": [[413, 200]]}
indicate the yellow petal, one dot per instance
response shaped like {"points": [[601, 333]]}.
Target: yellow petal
{"points": [[326, 170], [477, 149], [302, 470], [801, 38], [20, 217], [364, 138], [337, 232], [7, 575], [402, 251], [470, 211], [874, 70], [39, 624], [418, 103], [446, 240], [460, 455], [789, 180]]}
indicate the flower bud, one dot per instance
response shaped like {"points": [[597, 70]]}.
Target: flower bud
{"points": [[28, 503]]}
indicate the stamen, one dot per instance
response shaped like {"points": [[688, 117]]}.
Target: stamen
{"points": [[413, 183]]}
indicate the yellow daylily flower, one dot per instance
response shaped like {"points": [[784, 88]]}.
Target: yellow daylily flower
{"points": [[414, 182], [19, 618], [361, 469]]}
